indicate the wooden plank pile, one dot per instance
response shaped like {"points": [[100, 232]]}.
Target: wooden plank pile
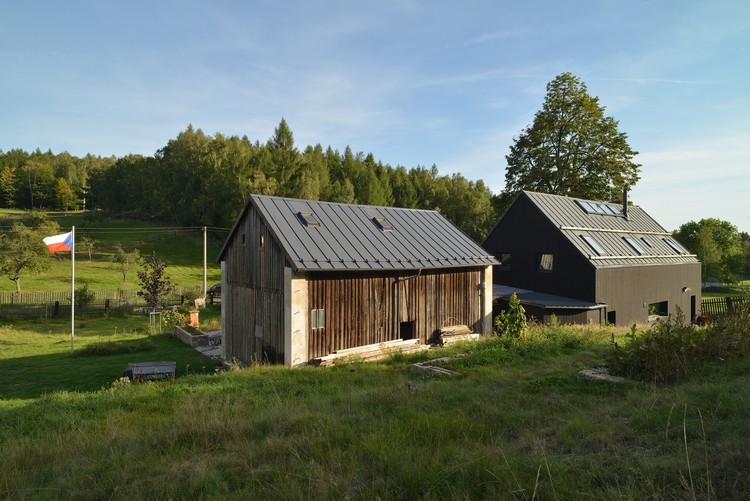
{"points": [[455, 333], [432, 367], [370, 352]]}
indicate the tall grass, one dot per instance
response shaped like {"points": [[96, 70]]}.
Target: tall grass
{"points": [[515, 424]]}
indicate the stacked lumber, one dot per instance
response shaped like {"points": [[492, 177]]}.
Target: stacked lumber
{"points": [[432, 367], [455, 333], [370, 352]]}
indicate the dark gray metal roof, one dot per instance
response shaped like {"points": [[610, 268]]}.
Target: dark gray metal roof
{"points": [[541, 300], [610, 232], [352, 237]]}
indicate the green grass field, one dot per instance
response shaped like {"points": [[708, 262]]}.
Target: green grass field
{"points": [[181, 249], [516, 423]]}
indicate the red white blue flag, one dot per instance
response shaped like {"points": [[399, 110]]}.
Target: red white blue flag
{"points": [[57, 243]]}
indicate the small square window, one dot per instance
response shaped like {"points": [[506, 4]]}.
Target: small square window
{"points": [[317, 318], [647, 241], [544, 262]]}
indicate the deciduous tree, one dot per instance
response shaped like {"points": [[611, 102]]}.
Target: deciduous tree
{"points": [[571, 148], [155, 283], [717, 244], [25, 251]]}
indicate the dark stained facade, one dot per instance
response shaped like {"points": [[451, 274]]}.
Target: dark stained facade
{"points": [[616, 258], [301, 279]]}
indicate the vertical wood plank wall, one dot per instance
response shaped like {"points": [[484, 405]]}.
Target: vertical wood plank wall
{"points": [[359, 308], [254, 298]]}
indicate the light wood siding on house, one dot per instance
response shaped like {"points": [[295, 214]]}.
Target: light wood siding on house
{"points": [[360, 310], [254, 293]]}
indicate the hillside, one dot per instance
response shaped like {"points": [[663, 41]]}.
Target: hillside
{"points": [[180, 248]]}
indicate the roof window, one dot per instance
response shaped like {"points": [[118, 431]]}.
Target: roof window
{"points": [[595, 246], [308, 218], [599, 208], [382, 223], [675, 247], [635, 245]]}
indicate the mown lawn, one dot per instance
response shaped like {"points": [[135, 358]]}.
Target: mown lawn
{"points": [[517, 423], [36, 357]]}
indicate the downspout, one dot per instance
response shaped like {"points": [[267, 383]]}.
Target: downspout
{"points": [[397, 299]]}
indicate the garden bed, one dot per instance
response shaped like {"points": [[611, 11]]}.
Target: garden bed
{"points": [[191, 336]]}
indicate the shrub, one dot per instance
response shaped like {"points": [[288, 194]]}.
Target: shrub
{"points": [[512, 323], [171, 318], [672, 351], [83, 296]]}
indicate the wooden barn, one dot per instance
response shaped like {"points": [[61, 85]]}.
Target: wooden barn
{"points": [[302, 279], [587, 261]]}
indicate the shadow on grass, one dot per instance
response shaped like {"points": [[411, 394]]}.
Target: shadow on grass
{"points": [[33, 376]]}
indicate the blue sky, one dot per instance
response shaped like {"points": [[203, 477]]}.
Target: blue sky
{"points": [[414, 82]]}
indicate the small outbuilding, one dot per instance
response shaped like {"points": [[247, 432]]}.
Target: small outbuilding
{"points": [[588, 261], [302, 279]]}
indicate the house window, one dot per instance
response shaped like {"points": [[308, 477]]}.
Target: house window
{"points": [[262, 243], [595, 246], [647, 241], [504, 258], [544, 262], [635, 245], [656, 310], [317, 319], [243, 239]]}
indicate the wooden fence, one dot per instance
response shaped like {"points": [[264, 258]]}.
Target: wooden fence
{"points": [[718, 306], [52, 304]]}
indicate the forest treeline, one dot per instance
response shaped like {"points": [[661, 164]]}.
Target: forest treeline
{"points": [[202, 180]]}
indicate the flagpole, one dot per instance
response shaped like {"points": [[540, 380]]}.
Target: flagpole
{"points": [[72, 288]]}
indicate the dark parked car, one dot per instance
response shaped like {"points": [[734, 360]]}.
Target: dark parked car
{"points": [[214, 292]]}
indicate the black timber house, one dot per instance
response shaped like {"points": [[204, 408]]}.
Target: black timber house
{"points": [[302, 279], [587, 261]]}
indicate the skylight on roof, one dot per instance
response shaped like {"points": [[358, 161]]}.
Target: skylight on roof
{"points": [[382, 223], [599, 208], [647, 241], [635, 245], [675, 247], [596, 246], [308, 218]]}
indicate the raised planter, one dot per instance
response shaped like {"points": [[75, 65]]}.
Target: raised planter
{"points": [[187, 336]]}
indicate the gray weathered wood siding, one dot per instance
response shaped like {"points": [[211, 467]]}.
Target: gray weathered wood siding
{"points": [[254, 298], [359, 308]]}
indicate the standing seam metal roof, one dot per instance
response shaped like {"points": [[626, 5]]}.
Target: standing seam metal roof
{"points": [[609, 231], [348, 239]]}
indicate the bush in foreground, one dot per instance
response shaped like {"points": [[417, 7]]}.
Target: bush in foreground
{"points": [[672, 351]]}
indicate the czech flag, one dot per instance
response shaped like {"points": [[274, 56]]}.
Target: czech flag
{"points": [[62, 242]]}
